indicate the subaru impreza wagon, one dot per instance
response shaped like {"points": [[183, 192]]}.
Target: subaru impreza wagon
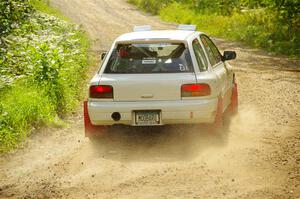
{"points": [[165, 77]]}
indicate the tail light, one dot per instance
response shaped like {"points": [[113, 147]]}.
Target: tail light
{"points": [[101, 91], [195, 90]]}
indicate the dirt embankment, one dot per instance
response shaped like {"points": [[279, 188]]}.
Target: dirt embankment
{"points": [[257, 156]]}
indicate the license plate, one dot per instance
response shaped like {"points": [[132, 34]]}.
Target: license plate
{"points": [[144, 118]]}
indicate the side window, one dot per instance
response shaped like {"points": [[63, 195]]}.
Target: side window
{"points": [[200, 56], [212, 51]]}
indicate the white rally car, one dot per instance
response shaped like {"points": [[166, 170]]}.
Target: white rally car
{"points": [[164, 77]]}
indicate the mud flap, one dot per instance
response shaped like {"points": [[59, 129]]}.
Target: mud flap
{"points": [[218, 124], [233, 107], [90, 129]]}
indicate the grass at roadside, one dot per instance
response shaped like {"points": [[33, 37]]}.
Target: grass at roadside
{"points": [[43, 67], [260, 27], [44, 6]]}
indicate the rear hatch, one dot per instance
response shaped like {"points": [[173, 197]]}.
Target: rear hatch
{"points": [[139, 87], [150, 71]]}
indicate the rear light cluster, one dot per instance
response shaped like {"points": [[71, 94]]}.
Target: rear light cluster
{"points": [[195, 90], [102, 91]]}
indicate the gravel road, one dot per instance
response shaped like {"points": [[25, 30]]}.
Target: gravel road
{"points": [[257, 156]]}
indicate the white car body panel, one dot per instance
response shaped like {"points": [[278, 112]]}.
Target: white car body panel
{"points": [[172, 112], [161, 91], [145, 87]]}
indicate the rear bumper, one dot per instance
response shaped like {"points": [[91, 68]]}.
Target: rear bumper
{"points": [[172, 112]]}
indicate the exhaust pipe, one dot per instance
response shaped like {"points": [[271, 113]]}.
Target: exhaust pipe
{"points": [[116, 116]]}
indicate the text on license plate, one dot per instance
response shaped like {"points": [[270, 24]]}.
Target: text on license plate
{"points": [[147, 117]]}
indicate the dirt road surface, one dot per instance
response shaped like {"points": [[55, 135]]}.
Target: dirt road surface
{"points": [[257, 156]]}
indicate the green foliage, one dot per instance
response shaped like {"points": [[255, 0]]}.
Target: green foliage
{"points": [[152, 6], [12, 14], [44, 6], [43, 66], [212, 6], [22, 108], [273, 25]]}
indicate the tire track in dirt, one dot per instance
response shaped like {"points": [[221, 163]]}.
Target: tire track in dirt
{"points": [[257, 156]]}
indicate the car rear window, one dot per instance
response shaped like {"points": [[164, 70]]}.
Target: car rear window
{"points": [[150, 58]]}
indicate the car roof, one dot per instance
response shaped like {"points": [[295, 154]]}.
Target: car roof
{"points": [[178, 35]]}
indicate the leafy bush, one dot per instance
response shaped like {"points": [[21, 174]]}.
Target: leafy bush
{"points": [[43, 66], [12, 14]]}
